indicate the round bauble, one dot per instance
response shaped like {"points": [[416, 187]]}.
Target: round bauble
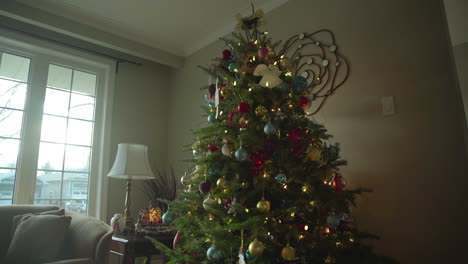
{"points": [[168, 218], [333, 220], [249, 256], [213, 173], [303, 101], [214, 254], [299, 84], [227, 91], [211, 118], [222, 183], [227, 54], [176, 241], [241, 154], [263, 206], [263, 52], [288, 253], [332, 152], [281, 178], [208, 203], [256, 248], [261, 111], [204, 187], [269, 129], [243, 107], [232, 66]]}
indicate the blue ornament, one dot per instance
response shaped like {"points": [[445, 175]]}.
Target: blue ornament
{"points": [[283, 87], [241, 154], [249, 256], [332, 153], [168, 218], [214, 254], [333, 220], [269, 129], [299, 84], [281, 178], [213, 173], [211, 118], [232, 66]]}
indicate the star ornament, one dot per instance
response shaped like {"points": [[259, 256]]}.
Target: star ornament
{"points": [[270, 75]]}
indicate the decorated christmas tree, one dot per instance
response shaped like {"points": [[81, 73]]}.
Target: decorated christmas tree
{"points": [[266, 185]]}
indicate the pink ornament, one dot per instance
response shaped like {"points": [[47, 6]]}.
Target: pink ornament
{"points": [[263, 52], [177, 239]]}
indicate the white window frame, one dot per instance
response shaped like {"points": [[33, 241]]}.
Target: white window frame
{"points": [[42, 54]]}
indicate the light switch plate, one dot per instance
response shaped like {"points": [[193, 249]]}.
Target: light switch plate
{"points": [[388, 105]]}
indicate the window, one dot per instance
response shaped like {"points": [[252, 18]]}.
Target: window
{"points": [[53, 109], [14, 72]]}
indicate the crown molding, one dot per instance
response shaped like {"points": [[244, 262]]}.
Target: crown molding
{"points": [[227, 27]]}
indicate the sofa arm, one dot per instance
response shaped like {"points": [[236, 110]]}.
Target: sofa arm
{"points": [[87, 237], [72, 261]]}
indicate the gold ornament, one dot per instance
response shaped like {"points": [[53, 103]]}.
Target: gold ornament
{"points": [[222, 183], [261, 111], [330, 260], [288, 253], [227, 91], [256, 248], [317, 143], [315, 154], [263, 206]]}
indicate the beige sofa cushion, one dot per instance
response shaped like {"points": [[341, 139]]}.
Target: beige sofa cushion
{"points": [[7, 212], [18, 218], [37, 239]]}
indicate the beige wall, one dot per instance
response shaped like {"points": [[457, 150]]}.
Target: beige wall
{"points": [[460, 54], [414, 160], [139, 116]]}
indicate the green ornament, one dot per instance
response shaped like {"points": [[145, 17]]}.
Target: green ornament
{"points": [[232, 66]]}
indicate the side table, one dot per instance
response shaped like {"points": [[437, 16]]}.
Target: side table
{"points": [[127, 247]]}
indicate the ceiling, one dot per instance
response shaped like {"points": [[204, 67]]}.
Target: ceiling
{"points": [[179, 27]]}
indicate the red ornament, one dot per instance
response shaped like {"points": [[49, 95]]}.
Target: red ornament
{"points": [[263, 52], [243, 107], [295, 135], [250, 44], [226, 54], [213, 147], [303, 101], [176, 241], [337, 182], [212, 89]]}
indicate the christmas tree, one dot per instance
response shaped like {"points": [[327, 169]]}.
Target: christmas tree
{"points": [[266, 185]]}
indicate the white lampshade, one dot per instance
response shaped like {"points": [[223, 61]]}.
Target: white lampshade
{"points": [[132, 163]]}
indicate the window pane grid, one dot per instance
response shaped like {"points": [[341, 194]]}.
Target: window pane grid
{"points": [[13, 80], [68, 184], [14, 74]]}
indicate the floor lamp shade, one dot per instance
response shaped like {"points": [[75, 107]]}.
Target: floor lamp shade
{"points": [[131, 163]]}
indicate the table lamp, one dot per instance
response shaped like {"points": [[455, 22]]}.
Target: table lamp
{"points": [[131, 163]]}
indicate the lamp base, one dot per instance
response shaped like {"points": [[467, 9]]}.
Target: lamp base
{"points": [[129, 225]]}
